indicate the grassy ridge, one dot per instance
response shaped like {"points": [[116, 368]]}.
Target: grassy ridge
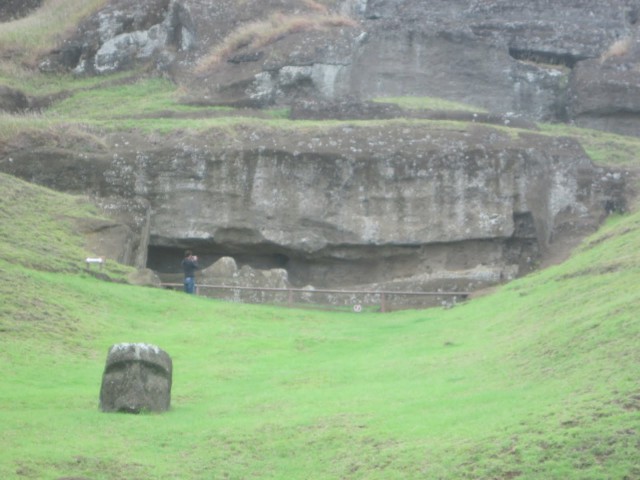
{"points": [[94, 106], [27, 37], [538, 380]]}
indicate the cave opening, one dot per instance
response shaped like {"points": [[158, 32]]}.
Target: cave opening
{"points": [[165, 260], [546, 58], [355, 266], [348, 267]]}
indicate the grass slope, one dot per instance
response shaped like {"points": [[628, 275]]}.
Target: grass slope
{"points": [[538, 380], [27, 37]]}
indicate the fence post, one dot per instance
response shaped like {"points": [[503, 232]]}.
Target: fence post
{"points": [[290, 297], [383, 303]]}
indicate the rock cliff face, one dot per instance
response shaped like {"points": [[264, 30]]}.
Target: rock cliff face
{"points": [[403, 203], [534, 58], [348, 205]]}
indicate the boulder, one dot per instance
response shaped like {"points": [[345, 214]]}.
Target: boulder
{"points": [[144, 277], [256, 284], [137, 377], [224, 269], [124, 35], [272, 278]]}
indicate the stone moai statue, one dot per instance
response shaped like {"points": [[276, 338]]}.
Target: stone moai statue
{"points": [[137, 377]]}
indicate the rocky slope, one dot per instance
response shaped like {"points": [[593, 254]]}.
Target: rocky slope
{"points": [[403, 202], [574, 60]]}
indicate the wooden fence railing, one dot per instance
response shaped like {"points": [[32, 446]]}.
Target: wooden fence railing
{"points": [[356, 298]]}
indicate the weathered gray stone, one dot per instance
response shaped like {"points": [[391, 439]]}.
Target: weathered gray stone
{"points": [[224, 269], [124, 34], [346, 205], [125, 237], [137, 377], [605, 93], [507, 56], [144, 277], [225, 272], [349, 205]]}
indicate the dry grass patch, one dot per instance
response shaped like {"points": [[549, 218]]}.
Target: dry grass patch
{"points": [[29, 37], [261, 33], [619, 48]]}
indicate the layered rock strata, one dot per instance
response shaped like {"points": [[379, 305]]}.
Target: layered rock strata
{"points": [[404, 204]]}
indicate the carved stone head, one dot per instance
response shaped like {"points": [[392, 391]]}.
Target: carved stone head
{"points": [[137, 377]]}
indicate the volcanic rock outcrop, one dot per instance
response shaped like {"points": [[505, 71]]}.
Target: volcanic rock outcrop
{"points": [[403, 202], [533, 58], [347, 205]]}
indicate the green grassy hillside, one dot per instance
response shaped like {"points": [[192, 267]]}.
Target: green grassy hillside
{"points": [[538, 380]]}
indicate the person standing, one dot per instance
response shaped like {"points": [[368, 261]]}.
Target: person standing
{"points": [[189, 266]]}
